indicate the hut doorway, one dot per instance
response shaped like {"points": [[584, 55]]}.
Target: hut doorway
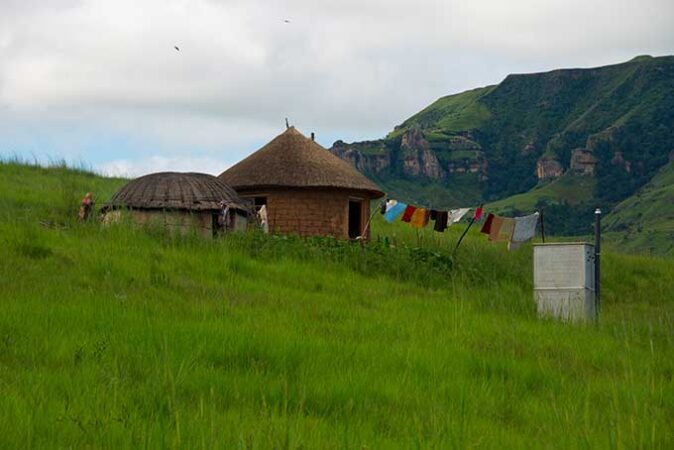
{"points": [[260, 202], [215, 223], [355, 218]]}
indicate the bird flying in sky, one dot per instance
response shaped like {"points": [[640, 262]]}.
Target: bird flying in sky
{"points": [[286, 21], [176, 47]]}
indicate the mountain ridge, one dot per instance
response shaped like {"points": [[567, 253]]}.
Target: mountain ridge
{"points": [[614, 124]]}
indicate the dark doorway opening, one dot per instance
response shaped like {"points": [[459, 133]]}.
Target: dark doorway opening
{"points": [[355, 218], [260, 201], [215, 225]]}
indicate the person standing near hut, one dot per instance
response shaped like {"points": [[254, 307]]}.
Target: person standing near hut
{"points": [[223, 217], [86, 206]]}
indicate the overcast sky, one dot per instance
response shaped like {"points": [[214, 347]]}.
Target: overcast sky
{"points": [[99, 81]]}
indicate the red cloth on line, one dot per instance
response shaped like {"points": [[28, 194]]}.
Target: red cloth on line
{"points": [[486, 228], [478, 214], [407, 215]]}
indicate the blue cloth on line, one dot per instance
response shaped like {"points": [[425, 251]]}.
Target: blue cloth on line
{"points": [[395, 211]]}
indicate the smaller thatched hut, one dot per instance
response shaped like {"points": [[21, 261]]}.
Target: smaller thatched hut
{"points": [[180, 202]]}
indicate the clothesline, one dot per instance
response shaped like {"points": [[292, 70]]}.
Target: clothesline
{"points": [[419, 217], [514, 231]]}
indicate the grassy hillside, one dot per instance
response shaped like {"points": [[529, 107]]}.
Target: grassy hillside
{"points": [[570, 189], [130, 338], [567, 204], [645, 221], [463, 191], [458, 112], [34, 193]]}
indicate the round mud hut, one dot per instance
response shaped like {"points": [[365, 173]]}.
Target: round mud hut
{"points": [[306, 190], [181, 202]]}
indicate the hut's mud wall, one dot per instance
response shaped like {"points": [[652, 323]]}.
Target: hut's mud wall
{"points": [[311, 212], [180, 222], [175, 221]]}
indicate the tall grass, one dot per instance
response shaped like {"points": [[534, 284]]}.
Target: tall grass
{"points": [[122, 337]]}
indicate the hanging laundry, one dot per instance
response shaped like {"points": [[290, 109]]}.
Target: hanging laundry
{"points": [[495, 227], [434, 214], [262, 218], [441, 221], [524, 230], [420, 218], [486, 228], [506, 231], [457, 214], [478, 214], [394, 210], [501, 229], [407, 215]]}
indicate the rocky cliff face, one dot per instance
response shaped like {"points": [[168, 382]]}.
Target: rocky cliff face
{"points": [[417, 158], [413, 156], [367, 157], [583, 162], [547, 167]]}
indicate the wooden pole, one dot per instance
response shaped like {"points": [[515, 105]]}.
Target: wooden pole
{"points": [[472, 221], [597, 259], [364, 235], [542, 227], [470, 224]]}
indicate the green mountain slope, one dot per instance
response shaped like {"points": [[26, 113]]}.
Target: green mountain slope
{"points": [[458, 112], [530, 139], [645, 221], [570, 189], [626, 108], [119, 337]]}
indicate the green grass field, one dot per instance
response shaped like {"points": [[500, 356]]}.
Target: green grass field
{"points": [[129, 338]]}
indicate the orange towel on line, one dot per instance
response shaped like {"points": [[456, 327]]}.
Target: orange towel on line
{"points": [[420, 218], [501, 229]]}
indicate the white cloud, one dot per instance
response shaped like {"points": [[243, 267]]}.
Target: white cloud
{"points": [[353, 67], [133, 168]]}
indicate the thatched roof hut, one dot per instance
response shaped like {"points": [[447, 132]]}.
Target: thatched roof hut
{"points": [[180, 199], [293, 160], [306, 189], [176, 191]]}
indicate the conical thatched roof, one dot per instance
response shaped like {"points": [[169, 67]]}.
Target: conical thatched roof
{"points": [[174, 190], [293, 160]]}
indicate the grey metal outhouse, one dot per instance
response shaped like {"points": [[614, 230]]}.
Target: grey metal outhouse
{"points": [[564, 281]]}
